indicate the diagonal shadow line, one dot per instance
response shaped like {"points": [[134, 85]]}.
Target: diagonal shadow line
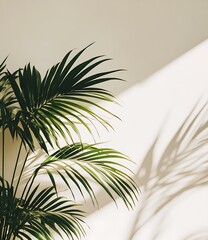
{"points": [[171, 157], [203, 235], [180, 160], [187, 141], [147, 163]]}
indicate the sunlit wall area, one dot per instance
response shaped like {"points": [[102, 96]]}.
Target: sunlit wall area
{"points": [[163, 46], [164, 130]]}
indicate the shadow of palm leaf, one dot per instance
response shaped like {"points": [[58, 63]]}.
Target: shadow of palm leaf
{"points": [[198, 236], [181, 167]]}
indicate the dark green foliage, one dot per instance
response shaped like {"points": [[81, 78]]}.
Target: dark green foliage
{"points": [[43, 110]]}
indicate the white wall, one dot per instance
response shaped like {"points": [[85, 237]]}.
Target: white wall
{"points": [[162, 45]]}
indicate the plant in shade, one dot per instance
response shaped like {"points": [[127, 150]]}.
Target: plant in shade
{"points": [[37, 112]]}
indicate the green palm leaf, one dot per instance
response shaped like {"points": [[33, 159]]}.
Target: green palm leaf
{"points": [[100, 164], [7, 98], [44, 110], [53, 106], [38, 216]]}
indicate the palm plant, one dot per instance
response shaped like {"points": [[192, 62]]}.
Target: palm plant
{"points": [[40, 111]]}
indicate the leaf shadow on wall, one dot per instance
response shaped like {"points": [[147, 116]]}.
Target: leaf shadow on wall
{"points": [[182, 166], [197, 236]]}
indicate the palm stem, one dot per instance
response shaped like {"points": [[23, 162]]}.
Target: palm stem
{"points": [[5, 230], [2, 156], [10, 234], [21, 172], [31, 181], [2, 229], [17, 160]]}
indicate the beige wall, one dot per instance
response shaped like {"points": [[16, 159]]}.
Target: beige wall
{"points": [[140, 35], [149, 38]]}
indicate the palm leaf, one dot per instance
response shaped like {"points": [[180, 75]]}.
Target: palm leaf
{"points": [[66, 92], [7, 98], [39, 216], [43, 110], [100, 164]]}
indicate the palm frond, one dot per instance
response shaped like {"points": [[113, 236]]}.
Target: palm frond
{"points": [[2, 69], [54, 106], [7, 97], [53, 214], [43, 110], [39, 216], [103, 165]]}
